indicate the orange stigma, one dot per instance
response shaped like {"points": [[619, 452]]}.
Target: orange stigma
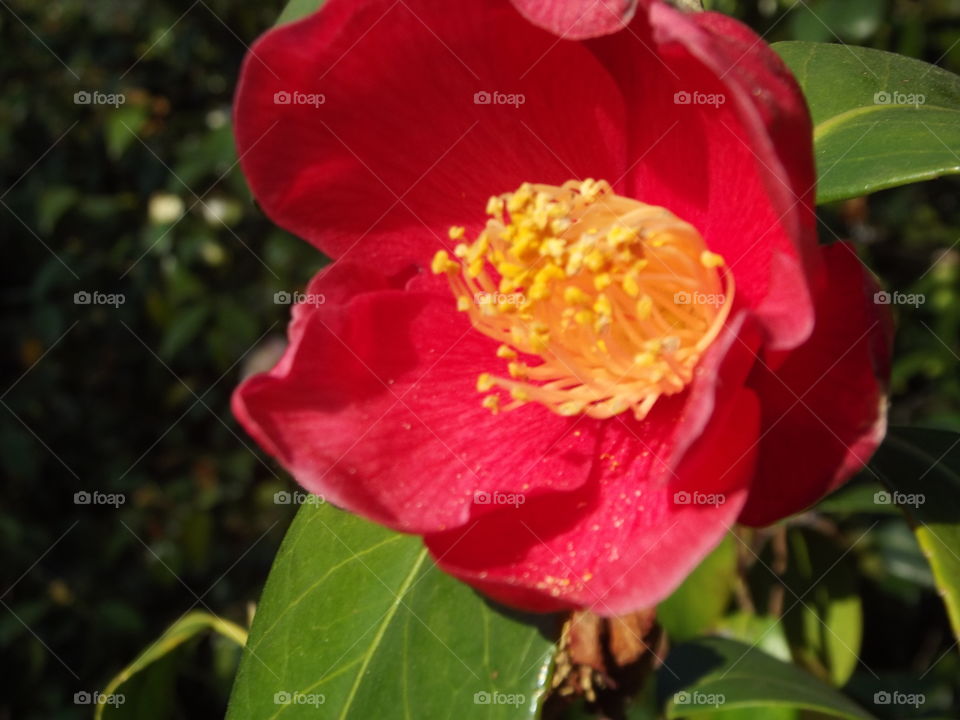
{"points": [[618, 299]]}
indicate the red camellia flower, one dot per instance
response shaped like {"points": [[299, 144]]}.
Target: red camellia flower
{"points": [[578, 323]]}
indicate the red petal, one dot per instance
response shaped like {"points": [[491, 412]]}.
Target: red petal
{"points": [[622, 542], [824, 403], [740, 170], [374, 406], [687, 443], [578, 19], [399, 150]]}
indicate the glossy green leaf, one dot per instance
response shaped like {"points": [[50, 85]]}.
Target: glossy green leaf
{"points": [[186, 628], [880, 119], [721, 675], [697, 605], [921, 469], [355, 620]]}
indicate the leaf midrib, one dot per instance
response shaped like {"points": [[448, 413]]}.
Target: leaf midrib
{"points": [[827, 126], [382, 630]]}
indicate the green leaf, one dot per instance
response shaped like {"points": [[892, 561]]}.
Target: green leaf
{"points": [[184, 629], [151, 694], [697, 605], [855, 498], [921, 469], [717, 674], [122, 126], [297, 9], [825, 628], [863, 144], [764, 631], [826, 20], [357, 619], [184, 328]]}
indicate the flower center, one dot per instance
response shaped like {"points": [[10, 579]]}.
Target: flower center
{"points": [[619, 299]]}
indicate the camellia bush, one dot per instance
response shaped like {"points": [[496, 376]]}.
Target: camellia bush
{"points": [[586, 366]]}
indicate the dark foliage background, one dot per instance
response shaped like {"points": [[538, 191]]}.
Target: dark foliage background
{"points": [[146, 199]]}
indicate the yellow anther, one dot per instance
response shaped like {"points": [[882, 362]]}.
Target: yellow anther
{"points": [[711, 260], [509, 270], [520, 199], [590, 189], [539, 342], [575, 296], [595, 260], [463, 303], [475, 268], [506, 352], [602, 281], [553, 247], [620, 234], [456, 232], [602, 306], [492, 403], [517, 370], [630, 285], [644, 307], [583, 317], [645, 359], [519, 394], [484, 382], [495, 206], [442, 263]]}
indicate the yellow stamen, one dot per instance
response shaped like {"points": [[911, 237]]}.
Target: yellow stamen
{"points": [[711, 260], [619, 299], [492, 403]]}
